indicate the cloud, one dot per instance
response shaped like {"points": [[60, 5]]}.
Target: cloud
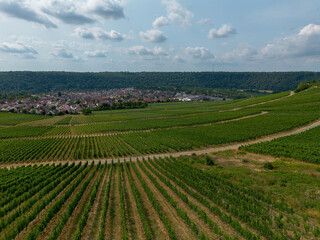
{"points": [[18, 48], [303, 44], [154, 36], [243, 53], [96, 54], [179, 59], [112, 36], [178, 14], [62, 53], [201, 53], [85, 33], [21, 10], [205, 21], [160, 22], [98, 33], [155, 53], [311, 29], [107, 9], [224, 31], [67, 12]]}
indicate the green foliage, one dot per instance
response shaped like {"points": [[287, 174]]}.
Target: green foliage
{"points": [[197, 197], [25, 131], [121, 105], [86, 111], [10, 119], [304, 146], [32, 82], [64, 121], [268, 166], [302, 86], [210, 161]]}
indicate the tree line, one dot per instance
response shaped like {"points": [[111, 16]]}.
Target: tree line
{"points": [[43, 82]]}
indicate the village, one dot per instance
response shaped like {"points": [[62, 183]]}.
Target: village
{"points": [[67, 102]]}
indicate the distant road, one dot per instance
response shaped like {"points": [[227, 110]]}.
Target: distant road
{"points": [[231, 146]]}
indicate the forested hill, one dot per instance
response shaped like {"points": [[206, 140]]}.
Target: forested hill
{"points": [[37, 82]]}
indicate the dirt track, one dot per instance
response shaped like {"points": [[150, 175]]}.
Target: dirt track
{"points": [[230, 146]]}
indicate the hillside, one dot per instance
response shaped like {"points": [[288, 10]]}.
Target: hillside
{"points": [[41, 82], [157, 173]]}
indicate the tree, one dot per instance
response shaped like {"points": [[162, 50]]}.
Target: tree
{"points": [[86, 111]]}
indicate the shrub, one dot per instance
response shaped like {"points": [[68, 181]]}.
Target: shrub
{"points": [[210, 161], [268, 166]]}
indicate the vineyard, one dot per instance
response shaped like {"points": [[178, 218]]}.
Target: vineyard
{"points": [[149, 199], [141, 194], [304, 146], [222, 123]]}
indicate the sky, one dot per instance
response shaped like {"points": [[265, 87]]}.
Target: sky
{"points": [[159, 35]]}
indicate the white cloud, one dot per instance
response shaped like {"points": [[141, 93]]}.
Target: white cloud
{"points": [[153, 35], [311, 29], [205, 21], [155, 53], [112, 36], [243, 53], [96, 54], [160, 22], [177, 13], [62, 53], [18, 48], [24, 10], [107, 9], [199, 53], [179, 59], [224, 31], [67, 11], [98, 33], [304, 44]]}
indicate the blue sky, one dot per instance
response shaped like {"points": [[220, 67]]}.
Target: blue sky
{"points": [[159, 35]]}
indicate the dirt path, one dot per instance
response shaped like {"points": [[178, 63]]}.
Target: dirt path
{"points": [[220, 148], [256, 104], [55, 120], [181, 229], [111, 133]]}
